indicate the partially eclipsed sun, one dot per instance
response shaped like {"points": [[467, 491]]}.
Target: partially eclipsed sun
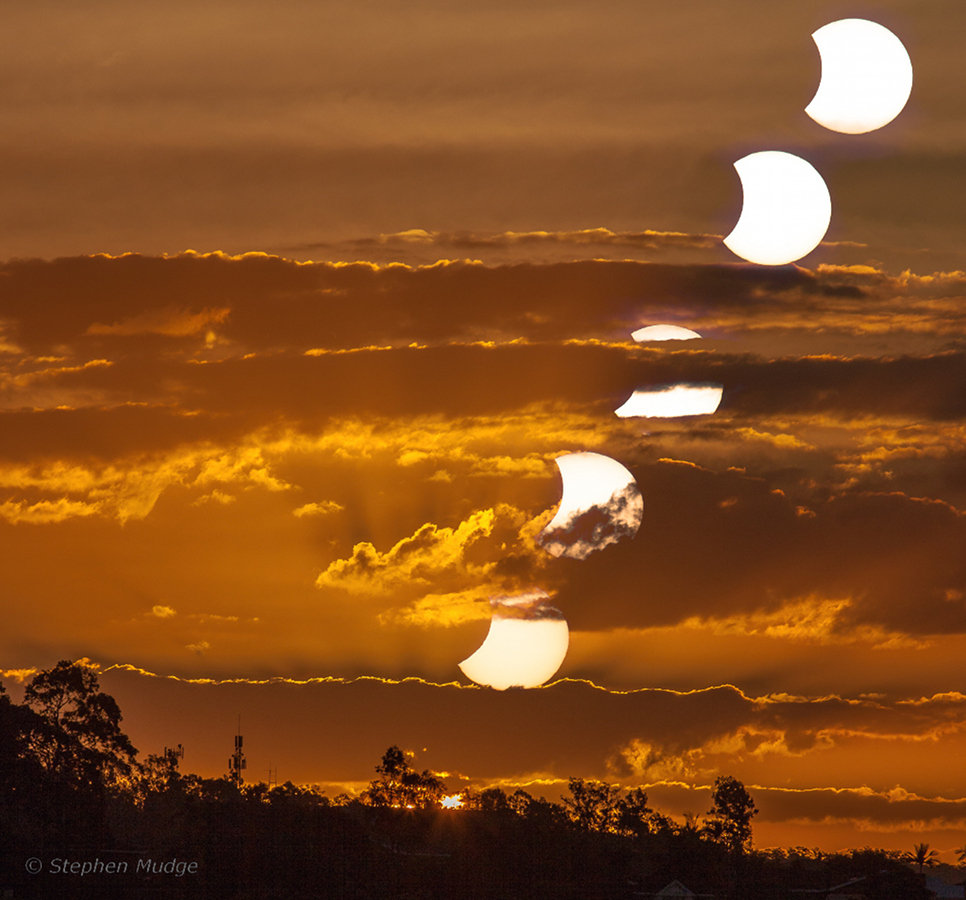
{"points": [[786, 210], [664, 333], [599, 505], [866, 76], [526, 643], [672, 400]]}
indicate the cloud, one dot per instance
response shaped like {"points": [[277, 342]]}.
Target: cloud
{"points": [[443, 610], [163, 612], [713, 542], [215, 497], [246, 464], [529, 606], [809, 619], [395, 304], [46, 511], [862, 808], [595, 528], [430, 551], [466, 241], [258, 359], [19, 675], [643, 762], [649, 736], [128, 488], [715, 545], [415, 418], [169, 322], [437, 565], [317, 509]]}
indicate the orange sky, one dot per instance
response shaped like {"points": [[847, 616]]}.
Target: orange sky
{"points": [[311, 448]]}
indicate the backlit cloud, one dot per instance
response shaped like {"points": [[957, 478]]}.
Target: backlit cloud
{"points": [[294, 479], [317, 509], [169, 322], [333, 469], [435, 561]]}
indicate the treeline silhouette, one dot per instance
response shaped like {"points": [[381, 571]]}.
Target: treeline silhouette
{"points": [[73, 795]]}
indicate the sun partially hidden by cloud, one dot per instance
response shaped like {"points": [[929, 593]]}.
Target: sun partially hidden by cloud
{"points": [[525, 645], [671, 400], [601, 505], [664, 333], [336, 477]]}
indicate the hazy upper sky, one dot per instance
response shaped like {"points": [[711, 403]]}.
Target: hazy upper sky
{"points": [[309, 451], [223, 126]]}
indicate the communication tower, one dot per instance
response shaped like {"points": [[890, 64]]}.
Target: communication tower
{"points": [[236, 762], [174, 757]]}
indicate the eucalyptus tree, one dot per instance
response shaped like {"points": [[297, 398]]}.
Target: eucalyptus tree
{"points": [[730, 816], [77, 737], [401, 786], [592, 805]]}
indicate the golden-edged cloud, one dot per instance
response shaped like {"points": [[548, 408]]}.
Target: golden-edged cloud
{"points": [[128, 488], [393, 449], [46, 511], [170, 322], [127, 303], [419, 245], [812, 618], [444, 575], [317, 509]]}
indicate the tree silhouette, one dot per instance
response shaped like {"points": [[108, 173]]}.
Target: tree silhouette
{"points": [[17, 724], [731, 815], [401, 786], [291, 841], [635, 817], [519, 801], [78, 738], [592, 805], [492, 800], [922, 856], [691, 825], [21, 775], [156, 775], [599, 807]]}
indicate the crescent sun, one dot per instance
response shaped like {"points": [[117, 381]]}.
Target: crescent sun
{"points": [[527, 641], [786, 212], [866, 76], [600, 504]]}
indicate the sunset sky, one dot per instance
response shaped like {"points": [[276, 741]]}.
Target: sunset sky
{"points": [[298, 305]]}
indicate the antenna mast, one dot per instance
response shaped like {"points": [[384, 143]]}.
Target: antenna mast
{"points": [[236, 762]]}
